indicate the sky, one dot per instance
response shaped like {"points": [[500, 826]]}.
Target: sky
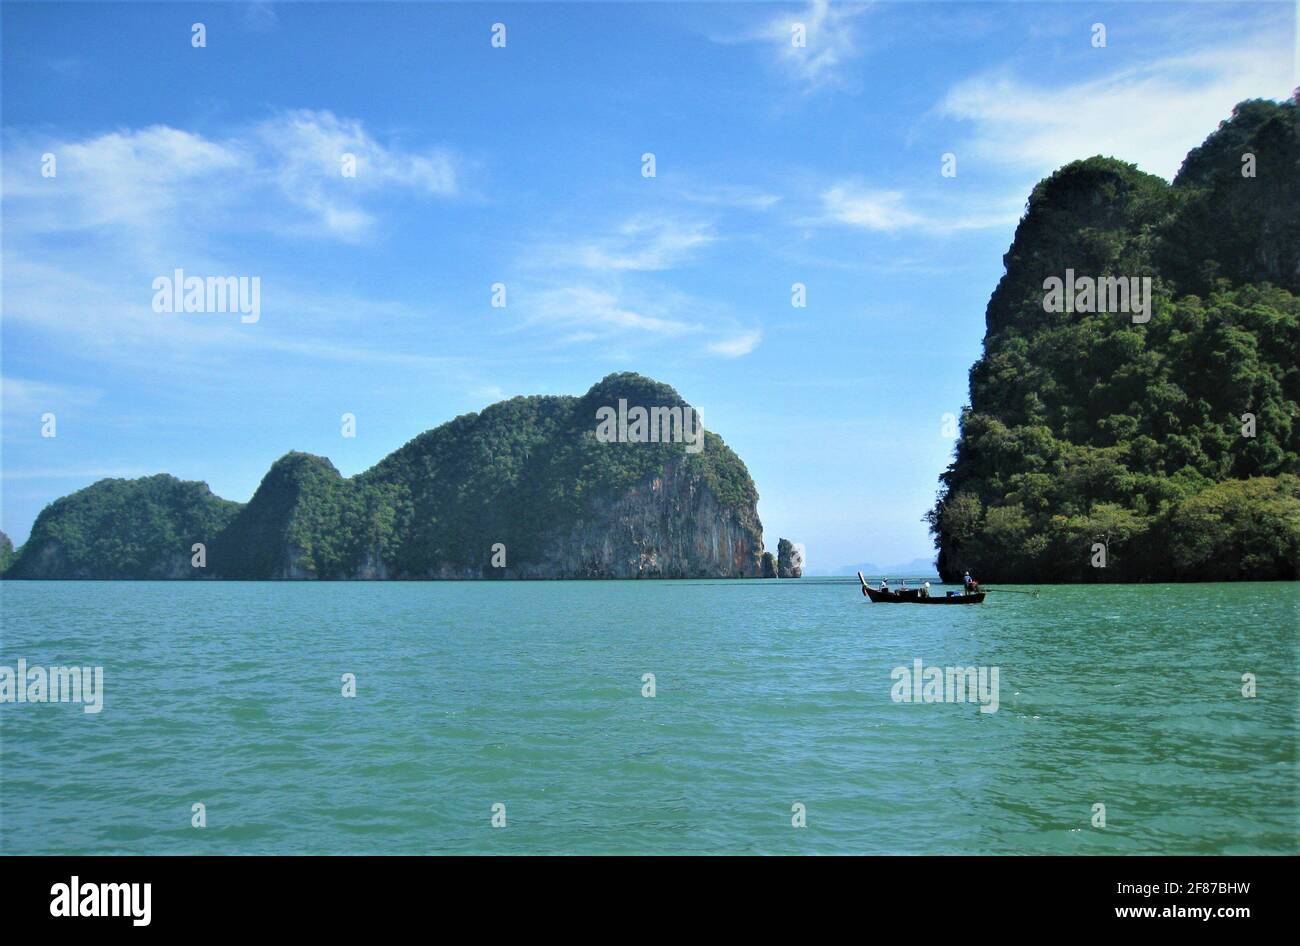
{"points": [[524, 165]]}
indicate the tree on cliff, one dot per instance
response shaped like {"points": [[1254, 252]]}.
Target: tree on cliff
{"points": [[143, 528]]}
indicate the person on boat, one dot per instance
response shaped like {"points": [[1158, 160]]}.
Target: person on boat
{"points": [[967, 582], [884, 584], [925, 590]]}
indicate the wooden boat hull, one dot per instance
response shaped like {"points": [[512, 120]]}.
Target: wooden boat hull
{"points": [[888, 597], [913, 596]]}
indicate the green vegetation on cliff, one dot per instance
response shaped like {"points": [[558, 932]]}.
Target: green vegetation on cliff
{"points": [[1175, 442], [522, 469], [142, 528], [525, 473]]}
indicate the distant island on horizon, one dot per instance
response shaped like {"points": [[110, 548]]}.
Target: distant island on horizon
{"points": [[916, 568]]}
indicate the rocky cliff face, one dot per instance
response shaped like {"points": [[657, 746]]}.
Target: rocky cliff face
{"points": [[524, 489], [667, 526], [789, 560]]}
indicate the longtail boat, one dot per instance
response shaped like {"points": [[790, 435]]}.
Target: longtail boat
{"points": [[914, 596]]}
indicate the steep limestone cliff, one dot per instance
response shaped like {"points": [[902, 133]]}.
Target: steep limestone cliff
{"points": [[789, 560]]}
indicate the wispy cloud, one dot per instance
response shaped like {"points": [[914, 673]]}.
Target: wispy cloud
{"points": [[731, 196], [611, 289], [642, 243], [106, 316], [83, 247], [635, 318], [137, 179], [23, 396], [590, 313], [859, 206], [855, 204], [260, 17], [738, 345], [284, 174], [303, 152], [1150, 114], [830, 41]]}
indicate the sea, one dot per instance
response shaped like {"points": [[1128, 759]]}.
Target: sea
{"points": [[650, 717]]}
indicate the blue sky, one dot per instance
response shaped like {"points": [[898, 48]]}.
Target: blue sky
{"points": [[523, 165]]}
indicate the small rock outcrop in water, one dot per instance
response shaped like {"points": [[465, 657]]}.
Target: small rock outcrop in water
{"points": [[768, 565], [522, 489], [789, 560]]}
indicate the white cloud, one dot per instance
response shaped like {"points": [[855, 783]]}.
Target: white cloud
{"points": [[854, 204], [644, 243], [732, 196], [284, 174], [22, 396], [303, 152], [831, 41], [598, 313], [1152, 114], [737, 346], [82, 248], [103, 313], [858, 206], [632, 318], [138, 179], [608, 290]]}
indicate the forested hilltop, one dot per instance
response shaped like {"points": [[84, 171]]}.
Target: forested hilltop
{"points": [[522, 489], [1100, 448]]}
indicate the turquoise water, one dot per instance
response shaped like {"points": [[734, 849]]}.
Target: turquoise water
{"points": [[769, 693]]}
